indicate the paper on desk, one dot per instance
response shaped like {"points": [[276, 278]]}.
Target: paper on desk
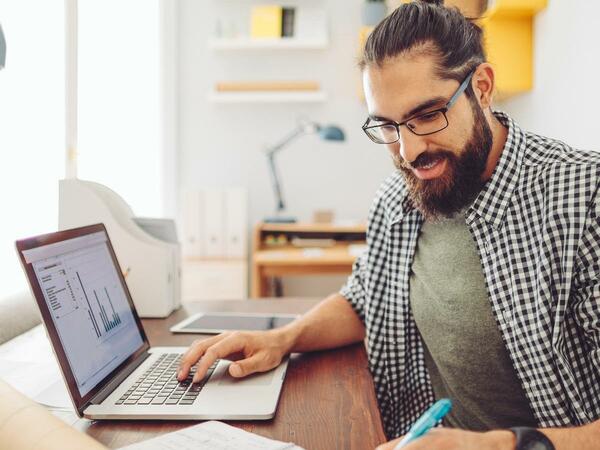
{"points": [[211, 435], [27, 363]]}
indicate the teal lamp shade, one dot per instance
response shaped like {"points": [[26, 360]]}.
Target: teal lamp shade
{"points": [[2, 49], [331, 133]]}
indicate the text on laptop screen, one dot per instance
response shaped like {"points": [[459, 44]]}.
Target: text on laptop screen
{"points": [[88, 305]]}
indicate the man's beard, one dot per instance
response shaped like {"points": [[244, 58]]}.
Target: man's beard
{"points": [[461, 181]]}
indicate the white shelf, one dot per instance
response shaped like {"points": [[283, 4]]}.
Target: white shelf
{"points": [[268, 44], [267, 97]]}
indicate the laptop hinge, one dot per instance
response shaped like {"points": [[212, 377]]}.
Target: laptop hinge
{"points": [[118, 379]]}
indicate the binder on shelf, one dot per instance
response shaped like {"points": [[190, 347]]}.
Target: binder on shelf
{"points": [[193, 240], [236, 214], [152, 264], [288, 22], [213, 221], [267, 21]]}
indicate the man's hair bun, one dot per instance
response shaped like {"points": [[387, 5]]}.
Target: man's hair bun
{"points": [[434, 2]]}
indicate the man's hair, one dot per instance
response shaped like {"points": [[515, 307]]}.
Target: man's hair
{"points": [[427, 27]]}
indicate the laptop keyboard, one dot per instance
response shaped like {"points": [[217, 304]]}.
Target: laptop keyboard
{"points": [[159, 386]]}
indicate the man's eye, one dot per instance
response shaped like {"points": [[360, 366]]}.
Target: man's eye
{"points": [[429, 117]]}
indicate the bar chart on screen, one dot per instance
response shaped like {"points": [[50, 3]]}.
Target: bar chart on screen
{"points": [[90, 309], [80, 286]]}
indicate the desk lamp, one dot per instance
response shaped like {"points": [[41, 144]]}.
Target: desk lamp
{"points": [[2, 49], [327, 133]]}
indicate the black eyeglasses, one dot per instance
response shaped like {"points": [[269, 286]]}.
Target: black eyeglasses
{"points": [[388, 132]]}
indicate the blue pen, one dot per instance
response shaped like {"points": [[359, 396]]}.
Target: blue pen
{"points": [[426, 422]]}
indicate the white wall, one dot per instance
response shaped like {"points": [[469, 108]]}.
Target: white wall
{"points": [[565, 100], [221, 145]]}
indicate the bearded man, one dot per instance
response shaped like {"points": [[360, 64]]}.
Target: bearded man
{"points": [[481, 279]]}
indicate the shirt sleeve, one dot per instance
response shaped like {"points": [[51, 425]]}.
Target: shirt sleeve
{"points": [[354, 290], [587, 282]]}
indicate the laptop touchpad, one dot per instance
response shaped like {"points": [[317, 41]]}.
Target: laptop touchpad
{"points": [[256, 379]]}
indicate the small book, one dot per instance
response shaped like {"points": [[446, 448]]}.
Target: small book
{"points": [[287, 24], [267, 21]]}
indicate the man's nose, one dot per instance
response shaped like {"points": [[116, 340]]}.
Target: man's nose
{"points": [[411, 145]]}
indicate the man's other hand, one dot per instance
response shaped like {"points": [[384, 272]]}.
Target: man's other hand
{"points": [[454, 439]]}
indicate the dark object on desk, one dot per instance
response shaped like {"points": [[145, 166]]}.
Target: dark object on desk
{"points": [[282, 219], [220, 322], [327, 133]]}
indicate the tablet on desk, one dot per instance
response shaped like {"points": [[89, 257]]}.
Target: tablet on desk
{"points": [[214, 323]]}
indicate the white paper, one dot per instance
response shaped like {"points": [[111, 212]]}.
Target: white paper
{"points": [[28, 365], [211, 435]]}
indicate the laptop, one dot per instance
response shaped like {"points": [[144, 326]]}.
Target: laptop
{"points": [[108, 366]]}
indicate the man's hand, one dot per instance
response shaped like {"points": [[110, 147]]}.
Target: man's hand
{"points": [[454, 439], [331, 323], [260, 351]]}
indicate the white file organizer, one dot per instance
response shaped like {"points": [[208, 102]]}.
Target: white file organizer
{"points": [[215, 240], [151, 265]]}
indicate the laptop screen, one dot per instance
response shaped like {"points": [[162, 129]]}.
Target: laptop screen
{"points": [[88, 304]]}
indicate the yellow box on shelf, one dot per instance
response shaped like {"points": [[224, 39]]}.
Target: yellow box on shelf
{"points": [[266, 21], [508, 29]]}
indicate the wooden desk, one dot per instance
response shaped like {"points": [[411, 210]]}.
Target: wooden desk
{"points": [[286, 259], [327, 401]]}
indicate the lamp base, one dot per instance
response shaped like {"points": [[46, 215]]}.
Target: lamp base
{"points": [[280, 219]]}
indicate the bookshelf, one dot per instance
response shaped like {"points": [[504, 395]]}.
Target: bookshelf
{"points": [[309, 32], [247, 43], [267, 97]]}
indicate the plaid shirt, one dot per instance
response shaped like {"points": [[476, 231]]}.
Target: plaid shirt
{"points": [[536, 224]]}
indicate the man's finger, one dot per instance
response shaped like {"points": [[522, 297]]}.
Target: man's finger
{"points": [[193, 354], [389, 445], [231, 344]]}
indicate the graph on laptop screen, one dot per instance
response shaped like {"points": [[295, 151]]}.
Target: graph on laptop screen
{"points": [[88, 305]]}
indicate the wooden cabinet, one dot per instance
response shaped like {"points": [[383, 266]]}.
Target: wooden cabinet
{"points": [[303, 249]]}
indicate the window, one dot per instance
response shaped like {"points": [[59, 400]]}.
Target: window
{"points": [[122, 111], [31, 127], [119, 121]]}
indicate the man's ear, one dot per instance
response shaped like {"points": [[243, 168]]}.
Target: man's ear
{"points": [[483, 84]]}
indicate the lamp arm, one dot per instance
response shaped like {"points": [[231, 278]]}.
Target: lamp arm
{"points": [[285, 141], [275, 182], [271, 152]]}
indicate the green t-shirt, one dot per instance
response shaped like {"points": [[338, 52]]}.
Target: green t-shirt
{"points": [[464, 351]]}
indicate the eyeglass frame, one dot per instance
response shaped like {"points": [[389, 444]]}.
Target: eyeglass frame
{"points": [[444, 109]]}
